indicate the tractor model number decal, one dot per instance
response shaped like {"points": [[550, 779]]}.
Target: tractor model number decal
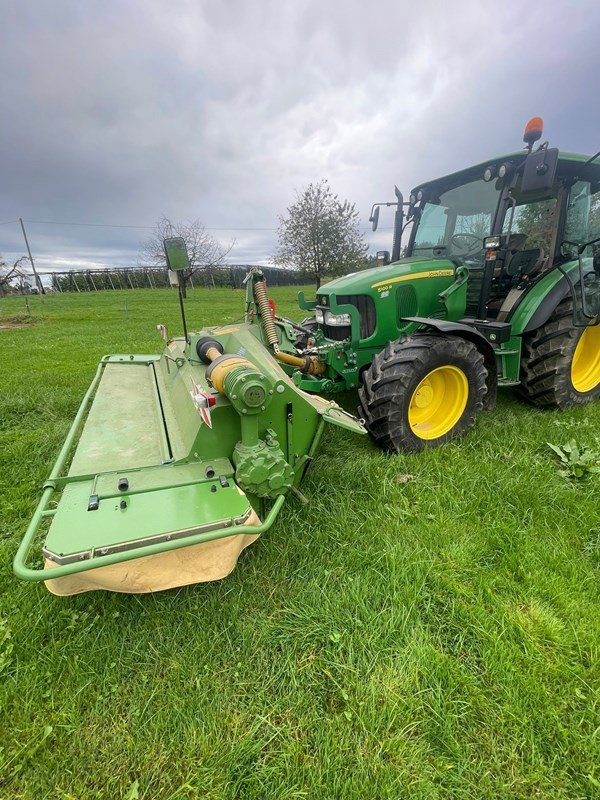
{"points": [[384, 286]]}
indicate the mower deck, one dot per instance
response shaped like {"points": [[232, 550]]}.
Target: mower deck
{"points": [[125, 427]]}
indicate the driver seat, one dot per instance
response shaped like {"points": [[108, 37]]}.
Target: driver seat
{"points": [[524, 262]]}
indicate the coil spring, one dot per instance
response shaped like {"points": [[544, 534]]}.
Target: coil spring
{"points": [[260, 292]]}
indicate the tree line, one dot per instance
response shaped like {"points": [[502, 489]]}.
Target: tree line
{"points": [[319, 236]]}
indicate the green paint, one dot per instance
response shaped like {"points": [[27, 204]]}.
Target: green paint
{"points": [[144, 427]]}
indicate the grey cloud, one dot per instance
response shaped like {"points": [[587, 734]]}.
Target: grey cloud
{"points": [[122, 112]]}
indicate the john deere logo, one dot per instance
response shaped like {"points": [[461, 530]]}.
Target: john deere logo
{"points": [[413, 276]]}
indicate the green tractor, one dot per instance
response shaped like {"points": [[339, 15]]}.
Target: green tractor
{"points": [[498, 285], [176, 462]]}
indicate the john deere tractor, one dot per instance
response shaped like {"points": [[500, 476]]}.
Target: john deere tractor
{"points": [[498, 285]]}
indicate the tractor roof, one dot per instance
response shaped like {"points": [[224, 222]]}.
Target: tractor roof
{"points": [[567, 160]]}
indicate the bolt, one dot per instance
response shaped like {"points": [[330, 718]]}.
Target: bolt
{"points": [[280, 389]]}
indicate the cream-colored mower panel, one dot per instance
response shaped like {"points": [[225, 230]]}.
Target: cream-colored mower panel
{"points": [[200, 563]]}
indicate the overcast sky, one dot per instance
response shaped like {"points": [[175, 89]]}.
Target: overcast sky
{"points": [[120, 112]]}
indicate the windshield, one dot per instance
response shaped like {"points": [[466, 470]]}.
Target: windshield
{"points": [[454, 223]]}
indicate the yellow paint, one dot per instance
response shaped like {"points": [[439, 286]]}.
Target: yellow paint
{"points": [[223, 368], [228, 329], [438, 402], [585, 367], [432, 273]]}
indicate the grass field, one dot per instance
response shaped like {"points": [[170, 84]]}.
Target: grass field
{"points": [[428, 627]]}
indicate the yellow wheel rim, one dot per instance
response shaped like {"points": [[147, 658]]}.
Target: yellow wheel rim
{"points": [[585, 368], [438, 402]]}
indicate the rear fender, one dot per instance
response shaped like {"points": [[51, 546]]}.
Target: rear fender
{"points": [[547, 306], [447, 328], [539, 303]]}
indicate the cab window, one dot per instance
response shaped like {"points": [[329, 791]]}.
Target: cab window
{"points": [[582, 222], [533, 225], [455, 220]]}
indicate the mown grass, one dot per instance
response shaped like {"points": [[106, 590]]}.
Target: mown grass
{"points": [[427, 627]]}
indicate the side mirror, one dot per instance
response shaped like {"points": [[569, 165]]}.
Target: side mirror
{"points": [[382, 258], [540, 170], [374, 218], [176, 253]]}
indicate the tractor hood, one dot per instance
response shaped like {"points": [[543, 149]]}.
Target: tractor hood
{"points": [[402, 270], [373, 306]]}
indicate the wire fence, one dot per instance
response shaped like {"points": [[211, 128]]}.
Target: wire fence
{"points": [[97, 280]]}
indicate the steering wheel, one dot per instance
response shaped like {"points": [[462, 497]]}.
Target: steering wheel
{"points": [[464, 249]]}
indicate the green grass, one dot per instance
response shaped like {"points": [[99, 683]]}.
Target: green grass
{"points": [[433, 636]]}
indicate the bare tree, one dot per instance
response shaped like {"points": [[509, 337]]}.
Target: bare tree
{"points": [[12, 275], [204, 250]]}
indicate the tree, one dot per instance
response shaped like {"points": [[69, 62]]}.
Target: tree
{"points": [[204, 250], [320, 235], [12, 276]]}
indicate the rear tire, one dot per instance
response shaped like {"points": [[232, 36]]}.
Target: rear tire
{"points": [[408, 378], [549, 375]]}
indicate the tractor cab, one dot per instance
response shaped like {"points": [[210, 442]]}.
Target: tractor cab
{"points": [[510, 221]]}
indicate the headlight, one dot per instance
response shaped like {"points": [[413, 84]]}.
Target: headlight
{"points": [[319, 316], [492, 242], [336, 319], [488, 174]]}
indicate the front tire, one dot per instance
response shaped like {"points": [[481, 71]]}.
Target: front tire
{"points": [[422, 391], [560, 365]]}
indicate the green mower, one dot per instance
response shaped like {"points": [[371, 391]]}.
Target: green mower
{"points": [[499, 285], [176, 462]]}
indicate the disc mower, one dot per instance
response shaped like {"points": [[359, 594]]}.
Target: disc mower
{"points": [[177, 462], [498, 285]]}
